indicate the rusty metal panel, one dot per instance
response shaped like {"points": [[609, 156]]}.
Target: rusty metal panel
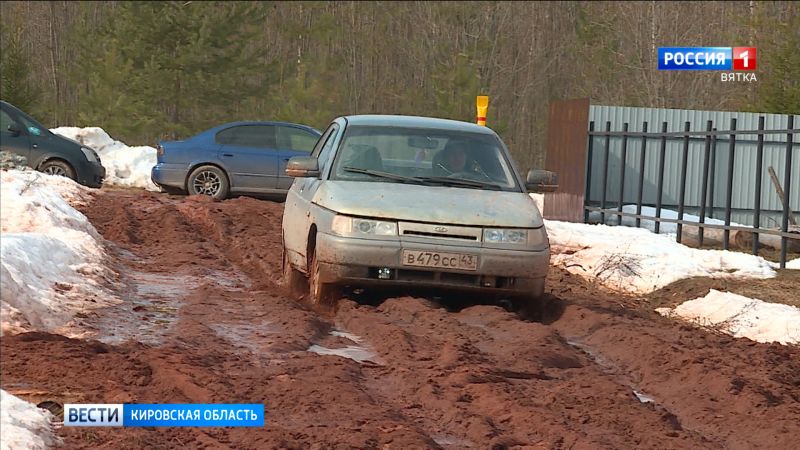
{"points": [[567, 124]]}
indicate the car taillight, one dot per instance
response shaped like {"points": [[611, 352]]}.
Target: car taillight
{"points": [[160, 150]]}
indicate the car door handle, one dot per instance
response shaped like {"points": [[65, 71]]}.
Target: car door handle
{"points": [[286, 159], [35, 145], [230, 155]]}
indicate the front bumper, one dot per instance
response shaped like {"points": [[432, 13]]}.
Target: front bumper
{"points": [[169, 175], [91, 174], [345, 260]]}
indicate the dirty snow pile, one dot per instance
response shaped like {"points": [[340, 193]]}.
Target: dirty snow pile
{"points": [[51, 257], [636, 261], [23, 424], [741, 317], [125, 166]]}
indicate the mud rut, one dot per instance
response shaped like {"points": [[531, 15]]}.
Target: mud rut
{"points": [[205, 320]]}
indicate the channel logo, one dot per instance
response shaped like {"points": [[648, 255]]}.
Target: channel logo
{"points": [[707, 58], [163, 415]]}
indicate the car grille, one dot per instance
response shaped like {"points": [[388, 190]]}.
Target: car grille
{"points": [[426, 230]]}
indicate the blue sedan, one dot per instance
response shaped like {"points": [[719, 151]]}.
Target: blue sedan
{"points": [[235, 158]]}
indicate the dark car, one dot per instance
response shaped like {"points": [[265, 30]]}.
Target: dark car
{"points": [[235, 158], [46, 151]]}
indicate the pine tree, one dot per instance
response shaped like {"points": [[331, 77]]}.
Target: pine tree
{"points": [[181, 65], [16, 86]]}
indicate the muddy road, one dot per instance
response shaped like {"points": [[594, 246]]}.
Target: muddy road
{"points": [[206, 320]]}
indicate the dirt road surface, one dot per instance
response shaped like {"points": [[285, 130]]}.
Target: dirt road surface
{"points": [[207, 321]]}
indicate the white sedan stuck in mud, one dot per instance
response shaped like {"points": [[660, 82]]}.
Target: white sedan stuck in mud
{"points": [[399, 200]]}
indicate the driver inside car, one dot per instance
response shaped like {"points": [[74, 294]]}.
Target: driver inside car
{"points": [[454, 159]]}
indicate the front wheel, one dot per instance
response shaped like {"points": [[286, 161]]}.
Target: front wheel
{"points": [[208, 180], [321, 294], [58, 168], [293, 279]]}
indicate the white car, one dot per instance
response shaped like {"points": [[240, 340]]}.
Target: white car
{"points": [[399, 200]]}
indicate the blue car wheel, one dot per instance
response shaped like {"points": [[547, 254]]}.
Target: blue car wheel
{"points": [[208, 180]]}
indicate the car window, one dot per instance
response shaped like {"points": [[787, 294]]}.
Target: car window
{"points": [[326, 149], [259, 136], [423, 152], [323, 140], [5, 121], [34, 128], [293, 138]]}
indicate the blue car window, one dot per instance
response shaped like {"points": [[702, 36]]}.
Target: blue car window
{"points": [[258, 136], [296, 139]]}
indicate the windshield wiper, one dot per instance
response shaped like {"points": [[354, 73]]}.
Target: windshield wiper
{"points": [[461, 182], [380, 174]]}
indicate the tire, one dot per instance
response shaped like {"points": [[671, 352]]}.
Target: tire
{"points": [[293, 279], [208, 180], [320, 294], [58, 167]]}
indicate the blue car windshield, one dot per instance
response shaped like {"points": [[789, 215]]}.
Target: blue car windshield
{"points": [[444, 157]]}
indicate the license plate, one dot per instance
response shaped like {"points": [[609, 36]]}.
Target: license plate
{"points": [[440, 260]]}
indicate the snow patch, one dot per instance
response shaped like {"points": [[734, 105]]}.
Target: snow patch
{"points": [[741, 316], [793, 264], [51, 257], [125, 166], [635, 260], [23, 424]]}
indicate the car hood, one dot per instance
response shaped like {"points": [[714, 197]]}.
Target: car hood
{"points": [[433, 204]]}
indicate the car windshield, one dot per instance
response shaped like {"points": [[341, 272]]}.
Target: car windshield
{"points": [[423, 156]]}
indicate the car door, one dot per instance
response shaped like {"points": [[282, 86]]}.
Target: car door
{"points": [[17, 141], [292, 141], [249, 155], [297, 213]]}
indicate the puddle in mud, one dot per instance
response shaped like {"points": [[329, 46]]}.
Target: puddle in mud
{"points": [[448, 441], [147, 312], [643, 398], [346, 335], [355, 352]]}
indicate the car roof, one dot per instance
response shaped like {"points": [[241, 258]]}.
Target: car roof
{"points": [[261, 122], [416, 122]]}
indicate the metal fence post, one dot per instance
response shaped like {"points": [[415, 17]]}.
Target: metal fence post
{"points": [[684, 163], [660, 187], [712, 173], [587, 195], [787, 178], [759, 169], [623, 163], [726, 235], [641, 175], [605, 173], [704, 188]]}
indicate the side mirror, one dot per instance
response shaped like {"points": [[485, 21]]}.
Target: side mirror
{"points": [[14, 129], [302, 166], [541, 181]]}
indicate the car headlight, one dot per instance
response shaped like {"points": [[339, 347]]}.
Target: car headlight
{"points": [[351, 226], [90, 155], [530, 238], [498, 235]]}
